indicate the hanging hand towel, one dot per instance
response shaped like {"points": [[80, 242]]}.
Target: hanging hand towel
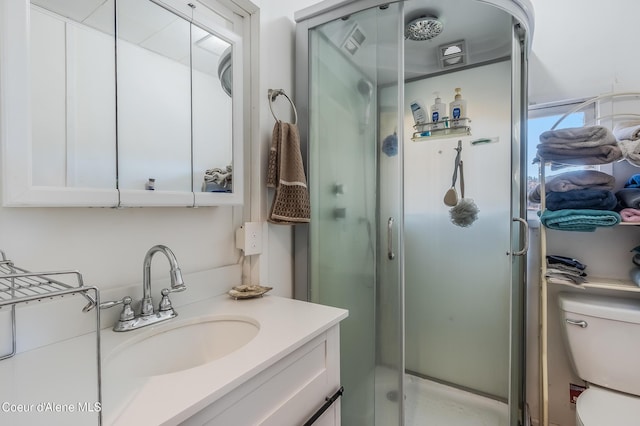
{"points": [[285, 173]]}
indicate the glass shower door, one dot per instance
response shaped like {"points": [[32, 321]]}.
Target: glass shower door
{"points": [[356, 193]]}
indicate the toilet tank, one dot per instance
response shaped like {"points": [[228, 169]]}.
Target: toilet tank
{"points": [[602, 336]]}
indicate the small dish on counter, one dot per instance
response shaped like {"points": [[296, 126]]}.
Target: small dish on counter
{"points": [[246, 291]]}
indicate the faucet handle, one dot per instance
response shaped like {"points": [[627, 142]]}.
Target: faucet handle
{"points": [[165, 303], [127, 312]]}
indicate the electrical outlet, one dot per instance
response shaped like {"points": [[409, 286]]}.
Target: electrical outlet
{"points": [[249, 238]]}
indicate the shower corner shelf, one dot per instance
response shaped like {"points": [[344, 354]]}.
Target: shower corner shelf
{"points": [[426, 131]]}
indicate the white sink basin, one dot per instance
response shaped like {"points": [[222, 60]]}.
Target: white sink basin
{"points": [[179, 345]]}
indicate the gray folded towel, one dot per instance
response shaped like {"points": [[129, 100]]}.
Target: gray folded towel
{"points": [[627, 130], [578, 137], [578, 179], [629, 197], [601, 154], [286, 174]]}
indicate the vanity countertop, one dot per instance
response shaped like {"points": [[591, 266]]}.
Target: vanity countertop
{"points": [[56, 384]]}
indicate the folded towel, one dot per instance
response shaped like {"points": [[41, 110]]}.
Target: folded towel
{"points": [[565, 154], [630, 151], [629, 197], [578, 179], [579, 137], [627, 130], [285, 173], [633, 182], [579, 220], [568, 270], [630, 215], [592, 199], [564, 278], [558, 261]]}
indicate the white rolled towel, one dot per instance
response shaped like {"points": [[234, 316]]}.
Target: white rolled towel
{"points": [[627, 130]]}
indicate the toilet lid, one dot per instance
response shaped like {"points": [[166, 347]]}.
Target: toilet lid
{"points": [[597, 406]]}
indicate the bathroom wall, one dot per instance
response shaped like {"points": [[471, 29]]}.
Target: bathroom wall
{"points": [[581, 48]]}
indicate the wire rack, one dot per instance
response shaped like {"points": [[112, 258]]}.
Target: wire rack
{"points": [[17, 286]]}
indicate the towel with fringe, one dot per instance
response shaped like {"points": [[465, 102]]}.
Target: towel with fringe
{"points": [[579, 145], [592, 199], [627, 130], [286, 174], [578, 179], [581, 220], [630, 215], [629, 197]]}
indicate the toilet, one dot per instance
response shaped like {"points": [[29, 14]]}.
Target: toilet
{"points": [[602, 336]]}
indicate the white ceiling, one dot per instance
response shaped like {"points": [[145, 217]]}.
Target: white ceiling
{"points": [[140, 22], [486, 30]]}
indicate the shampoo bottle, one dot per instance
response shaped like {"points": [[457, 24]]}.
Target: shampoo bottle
{"points": [[419, 112], [438, 111], [458, 110]]}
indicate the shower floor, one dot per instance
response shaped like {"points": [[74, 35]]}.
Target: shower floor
{"points": [[431, 403]]}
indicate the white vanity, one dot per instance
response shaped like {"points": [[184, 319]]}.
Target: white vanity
{"points": [[278, 361]]}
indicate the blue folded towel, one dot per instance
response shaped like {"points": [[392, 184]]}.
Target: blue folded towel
{"points": [[591, 199], [633, 182], [582, 220]]}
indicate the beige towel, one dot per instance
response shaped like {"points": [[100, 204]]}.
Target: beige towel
{"points": [[627, 130], [285, 173]]}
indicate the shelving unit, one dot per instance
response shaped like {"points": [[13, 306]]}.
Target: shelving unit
{"points": [[18, 286], [429, 131], [594, 283]]}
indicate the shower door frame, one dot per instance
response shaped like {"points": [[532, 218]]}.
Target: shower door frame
{"points": [[326, 12], [523, 26]]}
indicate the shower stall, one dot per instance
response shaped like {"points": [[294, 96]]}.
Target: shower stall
{"points": [[435, 333]]}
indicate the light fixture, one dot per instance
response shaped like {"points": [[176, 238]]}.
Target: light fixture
{"points": [[354, 40], [453, 54], [213, 44]]}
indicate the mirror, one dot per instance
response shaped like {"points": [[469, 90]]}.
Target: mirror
{"points": [[147, 118]]}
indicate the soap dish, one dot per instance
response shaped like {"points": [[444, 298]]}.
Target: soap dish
{"points": [[248, 291]]}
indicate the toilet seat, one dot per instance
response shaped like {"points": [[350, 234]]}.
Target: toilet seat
{"points": [[598, 406]]}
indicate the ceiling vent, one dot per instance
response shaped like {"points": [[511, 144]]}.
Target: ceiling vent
{"points": [[453, 54], [354, 40]]}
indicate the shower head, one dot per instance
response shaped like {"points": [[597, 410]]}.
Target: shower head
{"points": [[365, 87], [423, 28]]}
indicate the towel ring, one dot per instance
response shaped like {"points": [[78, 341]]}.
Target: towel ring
{"points": [[273, 94]]}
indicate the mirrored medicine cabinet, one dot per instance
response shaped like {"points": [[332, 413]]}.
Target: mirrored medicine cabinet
{"points": [[121, 103]]}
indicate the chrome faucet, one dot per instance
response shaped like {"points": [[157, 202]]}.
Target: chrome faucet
{"points": [[128, 320], [177, 284]]}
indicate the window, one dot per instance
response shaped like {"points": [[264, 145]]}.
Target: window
{"points": [[542, 118]]}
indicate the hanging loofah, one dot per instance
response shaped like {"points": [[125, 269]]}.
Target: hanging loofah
{"points": [[466, 211]]}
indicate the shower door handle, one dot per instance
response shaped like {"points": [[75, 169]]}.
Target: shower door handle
{"points": [[525, 247], [390, 254]]}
